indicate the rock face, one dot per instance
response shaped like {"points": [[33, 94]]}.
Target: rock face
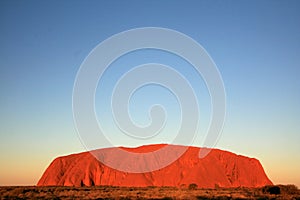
{"points": [[221, 168]]}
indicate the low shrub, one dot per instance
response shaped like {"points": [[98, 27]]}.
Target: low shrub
{"points": [[290, 189], [193, 186], [167, 198], [271, 189]]}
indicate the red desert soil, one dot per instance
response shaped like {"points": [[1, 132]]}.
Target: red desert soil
{"points": [[218, 168]]}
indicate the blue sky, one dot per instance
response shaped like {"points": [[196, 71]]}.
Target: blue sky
{"points": [[255, 45]]}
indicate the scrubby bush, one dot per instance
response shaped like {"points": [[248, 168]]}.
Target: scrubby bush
{"points": [[167, 198], [271, 189], [290, 189], [281, 189], [193, 186]]}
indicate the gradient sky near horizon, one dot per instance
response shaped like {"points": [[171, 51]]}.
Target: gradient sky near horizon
{"points": [[255, 45]]}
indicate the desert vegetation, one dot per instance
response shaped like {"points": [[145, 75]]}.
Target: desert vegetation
{"points": [[110, 192]]}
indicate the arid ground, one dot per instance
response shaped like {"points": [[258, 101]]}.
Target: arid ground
{"points": [[109, 192]]}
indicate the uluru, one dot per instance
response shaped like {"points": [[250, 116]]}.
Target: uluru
{"points": [[218, 168]]}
